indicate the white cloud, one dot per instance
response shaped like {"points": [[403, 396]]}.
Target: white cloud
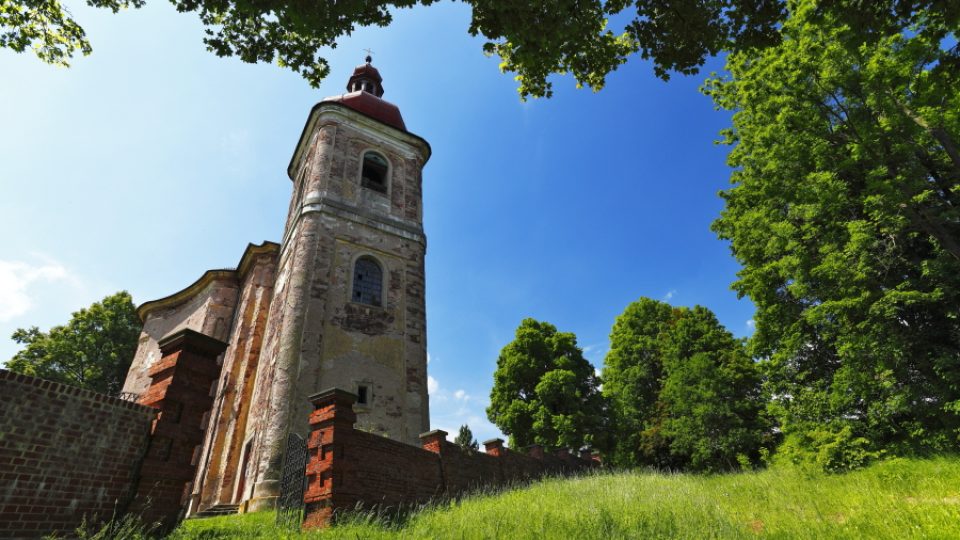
{"points": [[481, 427], [428, 357], [17, 280], [670, 294], [751, 324], [595, 352], [432, 385], [450, 410]]}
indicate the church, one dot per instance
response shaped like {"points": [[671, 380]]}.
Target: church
{"points": [[339, 302]]}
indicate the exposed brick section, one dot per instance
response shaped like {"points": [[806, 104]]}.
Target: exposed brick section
{"points": [[180, 389], [65, 453], [348, 467], [220, 476]]}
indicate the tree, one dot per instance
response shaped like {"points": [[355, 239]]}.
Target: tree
{"points": [[711, 398], [845, 215], [465, 439], [682, 391], [544, 391], [571, 36], [633, 379], [93, 350]]}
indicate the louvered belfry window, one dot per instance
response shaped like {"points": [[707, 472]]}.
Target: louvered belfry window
{"points": [[367, 282], [374, 173]]}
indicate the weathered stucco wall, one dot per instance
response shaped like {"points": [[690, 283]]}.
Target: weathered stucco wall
{"points": [[316, 337], [207, 307], [224, 453]]}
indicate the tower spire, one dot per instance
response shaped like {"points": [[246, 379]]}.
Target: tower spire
{"points": [[366, 78], [365, 95]]}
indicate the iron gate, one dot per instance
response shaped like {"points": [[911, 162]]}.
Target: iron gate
{"points": [[292, 483]]}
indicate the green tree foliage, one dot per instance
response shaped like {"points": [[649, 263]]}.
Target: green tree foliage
{"points": [[544, 391], [92, 351], [683, 393], [571, 36], [465, 439], [632, 380], [711, 394], [844, 215]]}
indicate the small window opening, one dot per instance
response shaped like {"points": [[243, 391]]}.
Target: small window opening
{"points": [[374, 175], [362, 395], [367, 282]]}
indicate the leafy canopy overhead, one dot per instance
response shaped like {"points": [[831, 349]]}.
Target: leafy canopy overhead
{"points": [[570, 37], [544, 391], [93, 350]]}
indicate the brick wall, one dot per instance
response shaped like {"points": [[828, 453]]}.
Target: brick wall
{"points": [[65, 453], [347, 467]]}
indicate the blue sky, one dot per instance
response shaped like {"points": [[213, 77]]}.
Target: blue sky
{"points": [[152, 160]]}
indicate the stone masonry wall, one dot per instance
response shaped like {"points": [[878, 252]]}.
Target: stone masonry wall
{"points": [[316, 337], [65, 453], [348, 467]]}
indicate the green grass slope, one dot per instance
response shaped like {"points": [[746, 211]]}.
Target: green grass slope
{"points": [[893, 499]]}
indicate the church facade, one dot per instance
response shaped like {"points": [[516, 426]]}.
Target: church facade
{"points": [[338, 303]]}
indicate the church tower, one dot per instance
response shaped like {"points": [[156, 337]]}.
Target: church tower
{"points": [[348, 307]]}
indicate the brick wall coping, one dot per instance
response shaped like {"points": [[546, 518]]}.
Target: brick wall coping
{"points": [[191, 340], [67, 390], [335, 394]]}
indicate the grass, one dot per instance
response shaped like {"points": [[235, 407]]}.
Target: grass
{"points": [[895, 499]]}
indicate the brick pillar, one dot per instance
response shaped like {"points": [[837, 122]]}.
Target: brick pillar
{"points": [[432, 441], [494, 447], [569, 461], [180, 389], [535, 451], [435, 441], [331, 426]]}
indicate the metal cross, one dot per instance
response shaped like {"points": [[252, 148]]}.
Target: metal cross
{"points": [[369, 55]]}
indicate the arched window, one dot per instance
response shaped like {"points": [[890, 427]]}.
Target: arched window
{"points": [[367, 282], [374, 175]]}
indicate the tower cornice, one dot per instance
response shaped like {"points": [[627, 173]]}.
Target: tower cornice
{"points": [[357, 118]]}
